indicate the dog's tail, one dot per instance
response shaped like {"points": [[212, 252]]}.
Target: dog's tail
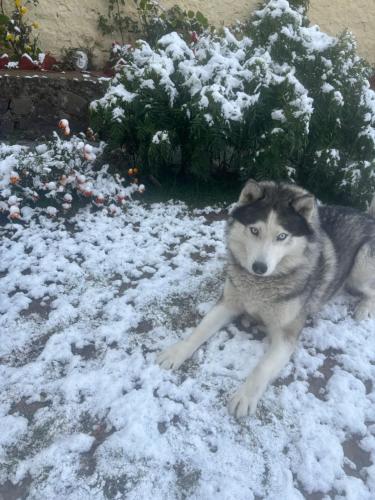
{"points": [[371, 208]]}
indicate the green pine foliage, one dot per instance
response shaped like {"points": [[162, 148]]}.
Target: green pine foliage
{"points": [[278, 99]]}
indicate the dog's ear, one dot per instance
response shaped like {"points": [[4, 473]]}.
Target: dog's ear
{"points": [[251, 192], [305, 205]]}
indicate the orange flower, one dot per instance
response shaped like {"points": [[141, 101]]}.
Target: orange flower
{"points": [[120, 198], [63, 123], [99, 199], [14, 212], [14, 178]]}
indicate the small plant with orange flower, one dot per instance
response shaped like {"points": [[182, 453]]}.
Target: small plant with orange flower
{"points": [[60, 176]]}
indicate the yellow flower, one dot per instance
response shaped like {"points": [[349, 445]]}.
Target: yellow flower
{"points": [[23, 10], [27, 48], [35, 25], [18, 3], [10, 37]]}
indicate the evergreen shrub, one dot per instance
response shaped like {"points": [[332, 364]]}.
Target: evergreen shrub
{"points": [[274, 98]]}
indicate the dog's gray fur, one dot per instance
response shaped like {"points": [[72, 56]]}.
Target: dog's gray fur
{"points": [[287, 256]]}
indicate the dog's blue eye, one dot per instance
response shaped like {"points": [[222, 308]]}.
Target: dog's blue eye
{"points": [[281, 236], [254, 231]]}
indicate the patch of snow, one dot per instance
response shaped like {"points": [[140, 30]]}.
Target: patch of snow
{"points": [[84, 312], [278, 115], [316, 40], [160, 136]]}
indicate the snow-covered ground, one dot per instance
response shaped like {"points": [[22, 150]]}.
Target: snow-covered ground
{"points": [[85, 413]]}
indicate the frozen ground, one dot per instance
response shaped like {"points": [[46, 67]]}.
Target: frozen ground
{"points": [[86, 414]]}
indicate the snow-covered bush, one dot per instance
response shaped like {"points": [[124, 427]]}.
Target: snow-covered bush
{"points": [[276, 99], [52, 176]]}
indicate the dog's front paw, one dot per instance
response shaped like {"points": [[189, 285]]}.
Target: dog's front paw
{"points": [[243, 402], [173, 357]]}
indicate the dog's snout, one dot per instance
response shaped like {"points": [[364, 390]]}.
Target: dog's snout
{"points": [[259, 267]]}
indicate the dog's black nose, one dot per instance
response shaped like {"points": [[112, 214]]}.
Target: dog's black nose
{"points": [[259, 267]]}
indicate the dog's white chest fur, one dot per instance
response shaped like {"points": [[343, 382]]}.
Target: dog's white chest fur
{"points": [[261, 302]]}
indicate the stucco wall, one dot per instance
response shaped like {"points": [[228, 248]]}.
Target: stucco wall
{"points": [[72, 23], [333, 16]]}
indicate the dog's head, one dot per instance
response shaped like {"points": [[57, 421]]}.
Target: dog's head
{"points": [[271, 226]]}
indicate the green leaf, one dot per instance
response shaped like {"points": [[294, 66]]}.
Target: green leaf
{"points": [[4, 19], [201, 18], [190, 14]]}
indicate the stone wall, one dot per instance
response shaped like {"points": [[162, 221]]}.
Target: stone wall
{"points": [[67, 23], [32, 104]]}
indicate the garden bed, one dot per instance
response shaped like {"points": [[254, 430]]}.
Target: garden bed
{"points": [[87, 303]]}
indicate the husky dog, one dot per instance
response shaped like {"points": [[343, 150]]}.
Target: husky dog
{"points": [[287, 257]]}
